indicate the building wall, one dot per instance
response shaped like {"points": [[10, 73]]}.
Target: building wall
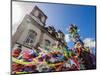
{"points": [[27, 24], [30, 26], [21, 28], [47, 37], [23, 48], [32, 22]]}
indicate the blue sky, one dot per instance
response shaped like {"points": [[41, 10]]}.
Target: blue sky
{"points": [[62, 15]]}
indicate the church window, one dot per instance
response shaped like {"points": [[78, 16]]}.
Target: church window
{"points": [[30, 39], [47, 43]]}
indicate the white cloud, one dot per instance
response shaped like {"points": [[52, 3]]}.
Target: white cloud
{"points": [[67, 38], [89, 42]]}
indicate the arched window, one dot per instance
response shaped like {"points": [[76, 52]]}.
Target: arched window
{"points": [[47, 42], [30, 39]]}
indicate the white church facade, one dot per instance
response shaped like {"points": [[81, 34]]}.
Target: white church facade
{"points": [[32, 32]]}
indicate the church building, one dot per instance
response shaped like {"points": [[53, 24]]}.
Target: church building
{"points": [[33, 32]]}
